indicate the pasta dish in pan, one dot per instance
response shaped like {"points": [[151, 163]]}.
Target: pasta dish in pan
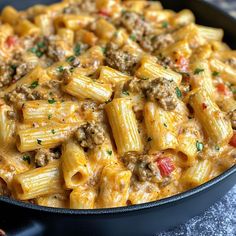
{"points": [[108, 103]]}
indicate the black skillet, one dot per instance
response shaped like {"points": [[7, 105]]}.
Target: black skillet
{"points": [[21, 219]]}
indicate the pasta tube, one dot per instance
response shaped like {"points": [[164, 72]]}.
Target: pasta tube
{"points": [[37, 182], [160, 127], [83, 87], [124, 126], [214, 122], [74, 165]]}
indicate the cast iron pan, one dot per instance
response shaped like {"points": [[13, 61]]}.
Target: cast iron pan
{"points": [[21, 219]]}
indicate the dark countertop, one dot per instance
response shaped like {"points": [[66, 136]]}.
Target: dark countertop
{"points": [[220, 219]]}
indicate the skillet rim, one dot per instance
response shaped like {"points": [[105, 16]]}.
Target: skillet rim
{"points": [[125, 209], [137, 207]]}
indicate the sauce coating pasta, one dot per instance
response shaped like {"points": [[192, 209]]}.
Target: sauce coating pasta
{"points": [[112, 103]]}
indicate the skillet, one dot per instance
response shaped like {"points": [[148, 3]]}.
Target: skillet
{"points": [[19, 218]]}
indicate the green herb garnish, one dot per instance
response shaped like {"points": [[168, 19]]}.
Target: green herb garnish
{"points": [[215, 73], [34, 85], [39, 141], [217, 148], [178, 92], [109, 152], [199, 146], [132, 37], [60, 69], [198, 71], [165, 125], [51, 101], [41, 45], [77, 49], [49, 116], [126, 93], [53, 131], [26, 158], [165, 24], [70, 59]]}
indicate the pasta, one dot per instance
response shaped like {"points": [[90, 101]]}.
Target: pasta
{"points": [[110, 103]]}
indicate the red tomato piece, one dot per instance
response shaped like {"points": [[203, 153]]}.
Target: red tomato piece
{"points": [[165, 166], [11, 41], [232, 141], [104, 12], [183, 63], [221, 88]]}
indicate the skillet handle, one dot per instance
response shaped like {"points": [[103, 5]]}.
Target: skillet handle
{"points": [[27, 228]]}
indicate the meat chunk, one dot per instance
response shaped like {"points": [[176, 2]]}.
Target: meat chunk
{"points": [[153, 43], [6, 74], [44, 156], [161, 90], [135, 24], [87, 6], [89, 135], [232, 116], [4, 191], [120, 60], [143, 166]]}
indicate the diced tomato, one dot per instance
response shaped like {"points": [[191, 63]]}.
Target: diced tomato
{"points": [[232, 141], [183, 63], [11, 41], [104, 12], [165, 166], [221, 88], [204, 106]]}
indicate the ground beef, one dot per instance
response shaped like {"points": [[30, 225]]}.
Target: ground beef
{"points": [[44, 156], [120, 60], [136, 25], [143, 166], [89, 135], [6, 74], [3, 188], [161, 90], [153, 43], [232, 116], [87, 6], [24, 93], [231, 62]]}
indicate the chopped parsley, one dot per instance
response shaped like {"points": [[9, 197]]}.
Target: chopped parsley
{"points": [[49, 116], [215, 73], [199, 146], [33, 50], [13, 67], [77, 49], [126, 93], [26, 158], [132, 37], [51, 101], [103, 50], [53, 131], [60, 69], [37, 49], [149, 139], [198, 71], [165, 24], [109, 152], [70, 59], [39, 141], [165, 125], [217, 148], [34, 85], [178, 92]]}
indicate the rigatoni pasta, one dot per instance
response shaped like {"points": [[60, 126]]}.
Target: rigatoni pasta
{"points": [[112, 103]]}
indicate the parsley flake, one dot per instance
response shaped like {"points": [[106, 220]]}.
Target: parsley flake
{"points": [[53, 131], [132, 37], [217, 148], [199, 146], [126, 93], [178, 92], [109, 152], [34, 85], [165, 24], [39, 141], [26, 158], [165, 125], [51, 101], [60, 69], [49, 116], [70, 59], [41, 45], [198, 71], [215, 73], [77, 49]]}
